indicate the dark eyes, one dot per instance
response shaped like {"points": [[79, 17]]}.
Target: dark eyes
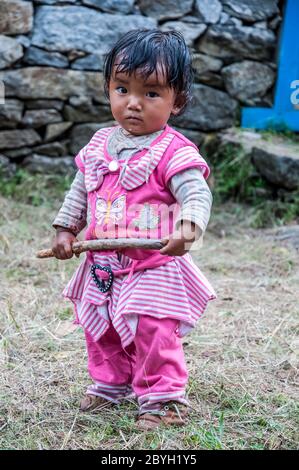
{"points": [[152, 94], [122, 90]]}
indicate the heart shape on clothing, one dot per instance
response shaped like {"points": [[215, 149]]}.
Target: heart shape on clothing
{"points": [[104, 287]]}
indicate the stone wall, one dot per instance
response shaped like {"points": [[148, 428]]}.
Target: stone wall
{"points": [[51, 56]]}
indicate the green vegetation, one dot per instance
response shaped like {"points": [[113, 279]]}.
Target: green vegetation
{"points": [[235, 176], [286, 134], [36, 190], [237, 180]]}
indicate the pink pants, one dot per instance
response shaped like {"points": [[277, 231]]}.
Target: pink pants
{"points": [[153, 366]]}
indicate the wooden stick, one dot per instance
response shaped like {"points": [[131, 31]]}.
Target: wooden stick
{"points": [[109, 244]]}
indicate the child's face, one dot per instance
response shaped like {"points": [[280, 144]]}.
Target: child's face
{"points": [[141, 107]]}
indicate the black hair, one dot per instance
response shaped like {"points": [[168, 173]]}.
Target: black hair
{"points": [[146, 49]]}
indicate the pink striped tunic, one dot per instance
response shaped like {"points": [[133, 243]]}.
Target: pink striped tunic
{"points": [[175, 287]]}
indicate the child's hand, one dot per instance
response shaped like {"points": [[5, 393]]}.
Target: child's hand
{"points": [[180, 241], [62, 243]]}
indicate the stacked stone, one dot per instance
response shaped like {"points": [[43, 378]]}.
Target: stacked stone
{"points": [[51, 59]]}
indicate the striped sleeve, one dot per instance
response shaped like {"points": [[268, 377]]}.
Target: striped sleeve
{"points": [[183, 158], [73, 212], [193, 194]]}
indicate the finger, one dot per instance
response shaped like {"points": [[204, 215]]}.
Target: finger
{"points": [[65, 251], [174, 248], [68, 250], [57, 252], [60, 254], [166, 248]]}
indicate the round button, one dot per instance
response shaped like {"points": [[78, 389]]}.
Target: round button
{"points": [[113, 166]]}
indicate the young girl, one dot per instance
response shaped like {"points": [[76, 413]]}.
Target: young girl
{"points": [[135, 305]]}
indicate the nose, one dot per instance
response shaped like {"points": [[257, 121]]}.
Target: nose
{"points": [[134, 103]]}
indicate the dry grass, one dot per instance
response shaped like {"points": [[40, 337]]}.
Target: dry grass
{"points": [[243, 356]]}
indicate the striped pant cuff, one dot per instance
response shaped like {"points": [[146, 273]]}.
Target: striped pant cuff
{"points": [[153, 401], [112, 392]]}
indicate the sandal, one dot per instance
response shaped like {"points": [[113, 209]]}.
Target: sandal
{"points": [[170, 414], [93, 403]]}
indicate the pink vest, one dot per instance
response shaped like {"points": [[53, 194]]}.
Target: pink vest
{"points": [[139, 205]]}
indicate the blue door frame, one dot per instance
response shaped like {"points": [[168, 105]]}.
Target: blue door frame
{"points": [[285, 113]]}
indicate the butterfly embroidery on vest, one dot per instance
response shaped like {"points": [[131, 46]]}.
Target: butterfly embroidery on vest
{"points": [[108, 210]]}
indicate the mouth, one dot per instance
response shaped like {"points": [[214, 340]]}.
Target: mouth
{"points": [[133, 119]]}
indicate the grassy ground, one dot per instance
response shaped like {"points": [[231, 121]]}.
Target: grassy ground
{"points": [[243, 357]]}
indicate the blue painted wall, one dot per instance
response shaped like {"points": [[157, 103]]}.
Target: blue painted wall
{"points": [[285, 113]]}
